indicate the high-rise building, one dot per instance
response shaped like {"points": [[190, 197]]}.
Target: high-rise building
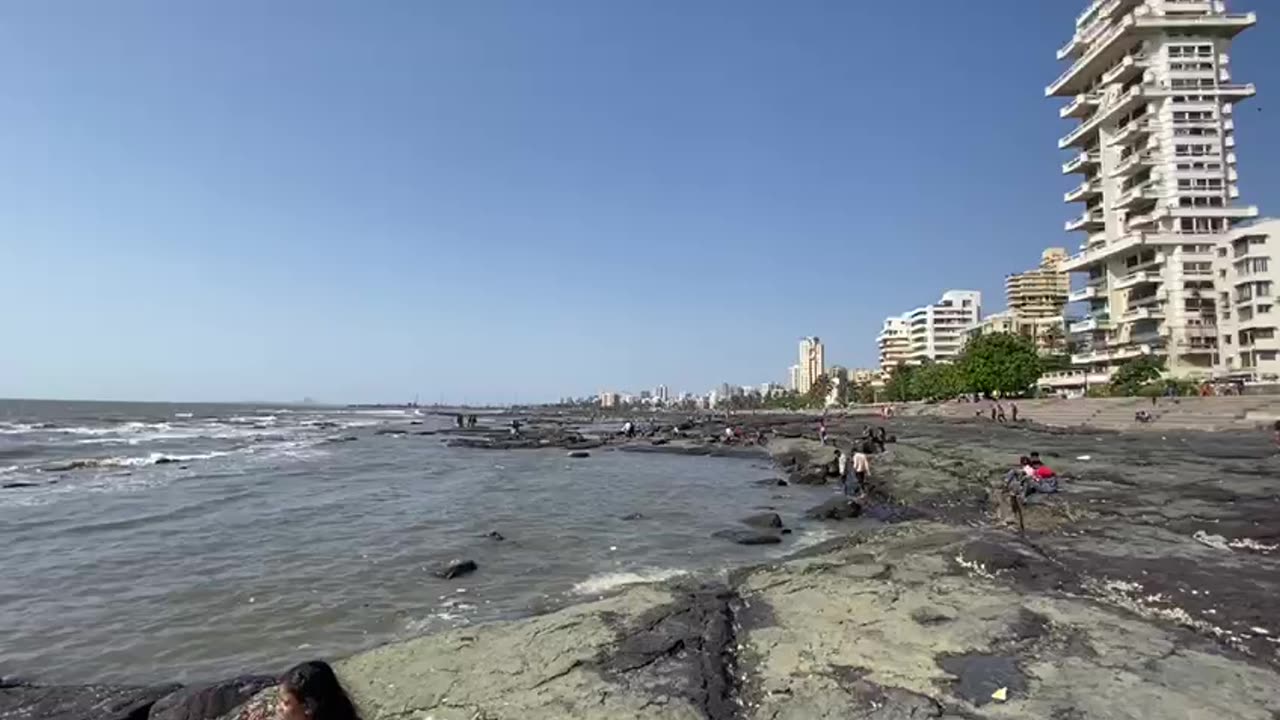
{"points": [[938, 331], [662, 394], [1037, 299], [1150, 82], [894, 344], [812, 363], [1247, 270], [793, 378]]}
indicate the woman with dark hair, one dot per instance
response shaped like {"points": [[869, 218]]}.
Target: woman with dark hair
{"points": [[311, 691]]}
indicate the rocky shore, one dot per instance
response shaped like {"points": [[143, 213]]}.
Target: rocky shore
{"points": [[1146, 588]]}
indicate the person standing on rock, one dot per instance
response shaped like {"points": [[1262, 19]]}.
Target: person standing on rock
{"points": [[1013, 411], [822, 432], [842, 469], [861, 469]]}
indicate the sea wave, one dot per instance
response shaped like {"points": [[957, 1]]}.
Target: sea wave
{"points": [[128, 461], [603, 583]]}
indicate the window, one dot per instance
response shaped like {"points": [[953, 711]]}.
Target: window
{"points": [[1200, 201], [1222, 252], [1263, 309], [1202, 226], [1267, 355], [1195, 131], [1244, 314], [1199, 183], [1197, 150], [1264, 289]]}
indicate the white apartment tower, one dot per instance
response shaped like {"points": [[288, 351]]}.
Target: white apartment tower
{"points": [[1150, 84], [1248, 276], [894, 344], [812, 363], [939, 331]]}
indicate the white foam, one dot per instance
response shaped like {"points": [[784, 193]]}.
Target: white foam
{"points": [[9, 469], [183, 415], [602, 583]]}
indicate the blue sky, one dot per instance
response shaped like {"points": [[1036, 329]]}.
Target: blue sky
{"points": [[490, 201]]}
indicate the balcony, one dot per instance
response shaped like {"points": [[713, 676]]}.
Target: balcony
{"points": [[1140, 277], [1084, 162], [1084, 191], [1143, 221], [1090, 220], [1091, 324], [1131, 132], [1141, 313], [1134, 163], [1129, 67], [1088, 292], [1081, 106], [1111, 354], [1230, 24], [1146, 192], [1083, 135], [1102, 53]]}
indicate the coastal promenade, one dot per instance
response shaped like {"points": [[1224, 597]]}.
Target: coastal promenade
{"points": [[1146, 588], [1243, 412]]}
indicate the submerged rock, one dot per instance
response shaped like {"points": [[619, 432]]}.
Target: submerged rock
{"points": [[748, 537], [579, 454], [837, 508], [763, 520], [96, 702], [455, 568]]}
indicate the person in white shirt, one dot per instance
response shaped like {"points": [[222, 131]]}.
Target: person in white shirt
{"points": [[842, 469], [861, 469]]}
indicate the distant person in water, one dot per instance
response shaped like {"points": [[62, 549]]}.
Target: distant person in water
{"points": [[311, 691], [999, 412], [1013, 411]]}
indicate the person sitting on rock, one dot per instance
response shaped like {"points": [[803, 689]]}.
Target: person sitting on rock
{"points": [[311, 691]]}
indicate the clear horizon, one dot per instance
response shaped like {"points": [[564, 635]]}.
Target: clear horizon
{"points": [[503, 202]]}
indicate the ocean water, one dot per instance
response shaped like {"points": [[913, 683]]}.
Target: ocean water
{"points": [[186, 542]]}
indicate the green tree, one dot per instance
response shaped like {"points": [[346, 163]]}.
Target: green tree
{"points": [[936, 381], [1131, 377], [898, 386], [819, 391], [1053, 339], [1000, 363]]}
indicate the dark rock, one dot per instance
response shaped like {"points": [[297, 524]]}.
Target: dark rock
{"points": [[891, 439], [763, 520], [415, 422], [390, 431], [786, 531], [345, 438], [978, 676], [210, 701], [771, 482], [932, 616], [583, 444], [810, 475], [165, 461], [81, 702], [837, 508], [579, 454], [748, 537], [495, 536], [19, 484], [455, 568], [633, 516]]}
